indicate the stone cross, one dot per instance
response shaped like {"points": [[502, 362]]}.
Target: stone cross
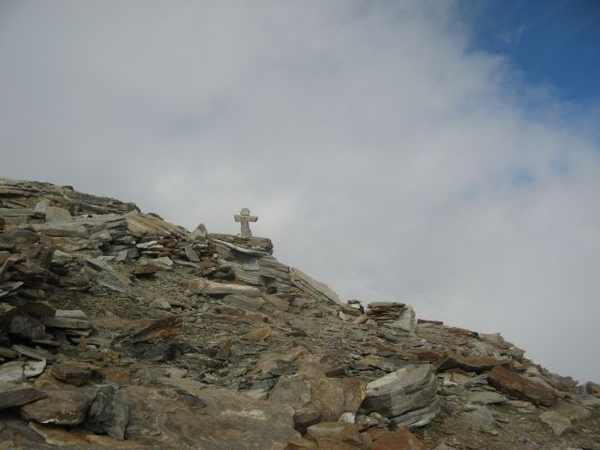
{"points": [[245, 218]]}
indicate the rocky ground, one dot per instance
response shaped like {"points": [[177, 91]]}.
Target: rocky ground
{"points": [[121, 330]]}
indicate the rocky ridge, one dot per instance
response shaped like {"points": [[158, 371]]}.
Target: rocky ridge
{"points": [[121, 330]]}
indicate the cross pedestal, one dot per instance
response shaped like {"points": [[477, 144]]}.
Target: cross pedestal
{"points": [[245, 218]]}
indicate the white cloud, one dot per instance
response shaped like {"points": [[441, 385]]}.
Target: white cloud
{"points": [[379, 156]]}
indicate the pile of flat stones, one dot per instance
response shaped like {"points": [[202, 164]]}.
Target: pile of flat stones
{"points": [[119, 329]]}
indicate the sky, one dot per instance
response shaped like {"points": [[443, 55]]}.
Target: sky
{"points": [[441, 154]]}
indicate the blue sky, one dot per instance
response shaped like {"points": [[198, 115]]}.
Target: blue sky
{"points": [[440, 153], [551, 42]]}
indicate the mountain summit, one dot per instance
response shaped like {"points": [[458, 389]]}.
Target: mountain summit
{"points": [[121, 330]]}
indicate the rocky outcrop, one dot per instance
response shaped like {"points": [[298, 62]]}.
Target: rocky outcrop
{"points": [[121, 330]]}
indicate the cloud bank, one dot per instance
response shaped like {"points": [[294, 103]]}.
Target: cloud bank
{"points": [[381, 155]]}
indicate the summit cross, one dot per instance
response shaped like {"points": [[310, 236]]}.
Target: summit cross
{"points": [[245, 218]]}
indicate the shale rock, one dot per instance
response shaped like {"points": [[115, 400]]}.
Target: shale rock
{"points": [[512, 383], [18, 394], [407, 397]]}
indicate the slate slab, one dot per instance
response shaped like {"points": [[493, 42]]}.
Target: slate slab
{"points": [[18, 395], [511, 383]]}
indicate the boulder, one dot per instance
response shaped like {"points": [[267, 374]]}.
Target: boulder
{"points": [[511, 383], [556, 421], [407, 396], [109, 413], [60, 406], [314, 399], [72, 372], [207, 419]]}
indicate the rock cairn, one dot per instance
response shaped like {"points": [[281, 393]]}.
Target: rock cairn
{"points": [[121, 330]]}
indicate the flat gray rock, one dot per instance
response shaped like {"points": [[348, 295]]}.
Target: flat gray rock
{"points": [[556, 421], [208, 287], [17, 371], [485, 397]]}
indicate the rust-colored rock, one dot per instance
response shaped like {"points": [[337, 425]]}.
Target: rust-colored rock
{"points": [[160, 329], [400, 439], [73, 372], [337, 435], [512, 383]]}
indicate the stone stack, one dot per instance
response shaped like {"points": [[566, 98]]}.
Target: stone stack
{"points": [[395, 315]]}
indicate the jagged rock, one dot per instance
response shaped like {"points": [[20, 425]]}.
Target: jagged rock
{"points": [[512, 383], [67, 406], [109, 413], [106, 276], [18, 394], [190, 254], [407, 397], [314, 288]]}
